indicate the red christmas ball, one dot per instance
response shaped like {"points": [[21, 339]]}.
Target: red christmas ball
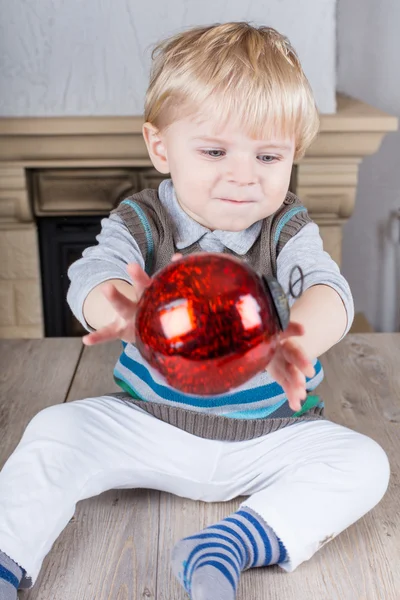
{"points": [[208, 323]]}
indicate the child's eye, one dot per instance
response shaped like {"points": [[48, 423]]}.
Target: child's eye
{"points": [[267, 158], [213, 153]]}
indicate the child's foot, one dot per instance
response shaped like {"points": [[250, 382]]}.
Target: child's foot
{"points": [[10, 577], [208, 564]]}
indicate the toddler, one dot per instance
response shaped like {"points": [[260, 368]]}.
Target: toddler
{"points": [[228, 110]]}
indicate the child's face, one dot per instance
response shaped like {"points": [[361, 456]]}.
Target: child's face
{"points": [[223, 178]]}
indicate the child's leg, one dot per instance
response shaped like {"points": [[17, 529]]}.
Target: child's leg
{"points": [[307, 483], [77, 450]]}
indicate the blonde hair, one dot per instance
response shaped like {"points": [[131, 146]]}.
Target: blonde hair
{"points": [[233, 69]]}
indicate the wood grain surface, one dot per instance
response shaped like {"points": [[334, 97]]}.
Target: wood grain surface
{"points": [[117, 546]]}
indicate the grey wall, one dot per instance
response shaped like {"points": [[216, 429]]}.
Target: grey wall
{"points": [[369, 69], [91, 57]]}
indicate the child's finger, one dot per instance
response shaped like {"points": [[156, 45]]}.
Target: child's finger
{"points": [[296, 387], [294, 401], [139, 278], [279, 374], [297, 378], [295, 356], [105, 334], [292, 383], [292, 330], [125, 307], [289, 381], [293, 396], [176, 256]]}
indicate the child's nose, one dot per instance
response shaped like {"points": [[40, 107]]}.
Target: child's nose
{"points": [[242, 172]]}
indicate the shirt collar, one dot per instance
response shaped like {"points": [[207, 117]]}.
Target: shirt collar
{"points": [[187, 231]]}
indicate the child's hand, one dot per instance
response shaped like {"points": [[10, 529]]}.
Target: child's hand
{"points": [[290, 366], [123, 325]]}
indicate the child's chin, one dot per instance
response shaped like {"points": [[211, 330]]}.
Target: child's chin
{"points": [[234, 225]]}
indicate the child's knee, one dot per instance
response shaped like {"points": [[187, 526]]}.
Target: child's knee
{"points": [[57, 422], [371, 468]]}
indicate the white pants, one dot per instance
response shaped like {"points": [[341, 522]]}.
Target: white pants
{"points": [[308, 481]]}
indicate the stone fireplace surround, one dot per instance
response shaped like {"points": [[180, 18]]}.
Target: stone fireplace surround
{"points": [[84, 165]]}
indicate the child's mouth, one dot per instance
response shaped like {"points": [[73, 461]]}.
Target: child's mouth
{"points": [[232, 201]]}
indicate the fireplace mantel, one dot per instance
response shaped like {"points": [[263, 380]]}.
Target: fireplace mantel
{"points": [[109, 147]]}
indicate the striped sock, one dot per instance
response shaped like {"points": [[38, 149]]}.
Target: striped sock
{"points": [[10, 576], [208, 564]]}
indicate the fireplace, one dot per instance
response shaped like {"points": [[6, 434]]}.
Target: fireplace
{"points": [[62, 237], [60, 176]]}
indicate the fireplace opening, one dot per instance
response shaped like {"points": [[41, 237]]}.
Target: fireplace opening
{"points": [[61, 242]]}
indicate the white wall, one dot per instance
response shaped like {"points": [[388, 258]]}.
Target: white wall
{"points": [[369, 69], [91, 57]]}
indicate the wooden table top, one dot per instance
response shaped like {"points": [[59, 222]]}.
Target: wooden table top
{"points": [[117, 545]]}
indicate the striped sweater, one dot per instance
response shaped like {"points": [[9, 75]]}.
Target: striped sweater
{"points": [[148, 230], [260, 397]]}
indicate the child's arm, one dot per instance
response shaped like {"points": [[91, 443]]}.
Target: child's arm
{"points": [[323, 315], [326, 306], [118, 301], [101, 268]]}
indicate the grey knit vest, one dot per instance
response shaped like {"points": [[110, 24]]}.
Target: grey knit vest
{"points": [[152, 228], [157, 245]]}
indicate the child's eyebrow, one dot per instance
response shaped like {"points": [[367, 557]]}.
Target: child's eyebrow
{"points": [[261, 143], [206, 138]]}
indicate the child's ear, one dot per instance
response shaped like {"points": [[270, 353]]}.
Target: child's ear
{"points": [[155, 147]]}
